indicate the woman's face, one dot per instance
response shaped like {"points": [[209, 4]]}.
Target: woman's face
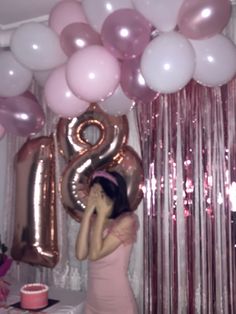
{"points": [[103, 202], [96, 188]]}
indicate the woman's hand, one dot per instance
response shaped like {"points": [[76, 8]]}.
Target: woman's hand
{"points": [[91, 201], [104, 204]]}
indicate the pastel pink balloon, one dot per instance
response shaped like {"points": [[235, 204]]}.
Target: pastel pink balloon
{"points": [[65, 13], [93, 73], [133, 83], [21, 115], [126, 33], [201, 19], [77, 36], [60, 98]]}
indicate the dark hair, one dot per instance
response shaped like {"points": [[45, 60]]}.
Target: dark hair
{"points": [[117, 193]]}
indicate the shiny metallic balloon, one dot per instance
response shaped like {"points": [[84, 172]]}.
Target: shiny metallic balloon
{"points": [[71, 137], [109, 152], [35, 233], [130, 167], [21, 115], [85, 157]]}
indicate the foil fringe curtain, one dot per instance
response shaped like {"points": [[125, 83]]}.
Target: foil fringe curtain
{"points": [[189, 143]]}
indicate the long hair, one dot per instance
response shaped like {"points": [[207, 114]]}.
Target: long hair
{"points": [[116, 192]]}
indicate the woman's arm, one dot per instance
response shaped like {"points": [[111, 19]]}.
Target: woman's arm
{"points": [[81, 248], [82, 241]]}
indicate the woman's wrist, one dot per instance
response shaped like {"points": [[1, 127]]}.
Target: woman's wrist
{"points": [[102, 215], [88, 212]]}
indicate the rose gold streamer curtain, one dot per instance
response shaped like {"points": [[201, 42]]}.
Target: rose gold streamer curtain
{"points": [[189, 155]]}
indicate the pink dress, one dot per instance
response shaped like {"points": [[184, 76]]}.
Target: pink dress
{"points": [[109, 290]]}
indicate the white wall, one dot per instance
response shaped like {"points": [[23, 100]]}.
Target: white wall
{"points": [[3, 163]]}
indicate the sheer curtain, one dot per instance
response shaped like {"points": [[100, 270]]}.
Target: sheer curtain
{"points": [[69, 272]]}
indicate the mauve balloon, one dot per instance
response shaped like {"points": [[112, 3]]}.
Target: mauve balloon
{"points": [[21, 115], [126, 33], [77, 36], [133, 83], [202, 19]]}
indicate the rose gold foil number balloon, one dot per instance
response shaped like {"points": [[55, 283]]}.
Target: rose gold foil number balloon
{"points": [[110, 151]]}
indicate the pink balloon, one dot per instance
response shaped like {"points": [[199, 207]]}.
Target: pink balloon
{"points": [[93, 73], [201, 19], [21, 115], [77, 36], [132, 82], [60, 98], [126, 33], [65, 13]]}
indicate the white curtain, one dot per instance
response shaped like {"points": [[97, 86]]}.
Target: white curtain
{"points": [[69, 272]]}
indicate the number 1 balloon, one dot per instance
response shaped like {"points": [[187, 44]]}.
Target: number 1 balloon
{"points": [[35, 232]]}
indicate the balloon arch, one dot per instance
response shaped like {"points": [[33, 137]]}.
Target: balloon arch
{"points": [[113, 53]]}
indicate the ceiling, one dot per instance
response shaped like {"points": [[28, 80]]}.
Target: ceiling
{"points": [[15, 12]]}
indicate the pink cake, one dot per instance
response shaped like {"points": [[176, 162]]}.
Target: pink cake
{"points": [[34, 296]]}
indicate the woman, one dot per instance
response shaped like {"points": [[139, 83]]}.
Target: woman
{"points": [[106, 236]]}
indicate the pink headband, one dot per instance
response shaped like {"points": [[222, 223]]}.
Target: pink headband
{"points": [[104, 174]]}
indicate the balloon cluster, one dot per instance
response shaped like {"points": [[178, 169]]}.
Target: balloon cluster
{"points": [[118, 52]]}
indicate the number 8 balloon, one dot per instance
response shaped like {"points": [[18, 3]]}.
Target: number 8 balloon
{"points": [[109, 152]]}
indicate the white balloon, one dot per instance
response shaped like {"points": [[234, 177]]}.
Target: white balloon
{"points": [[15, 79], [168, 62], [37, 47], [117, 104], [97, 11], [215, 60], [161, 13]]}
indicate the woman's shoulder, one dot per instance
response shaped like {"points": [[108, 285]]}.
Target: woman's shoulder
{"points": [[128, 219], [125, 227]]}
